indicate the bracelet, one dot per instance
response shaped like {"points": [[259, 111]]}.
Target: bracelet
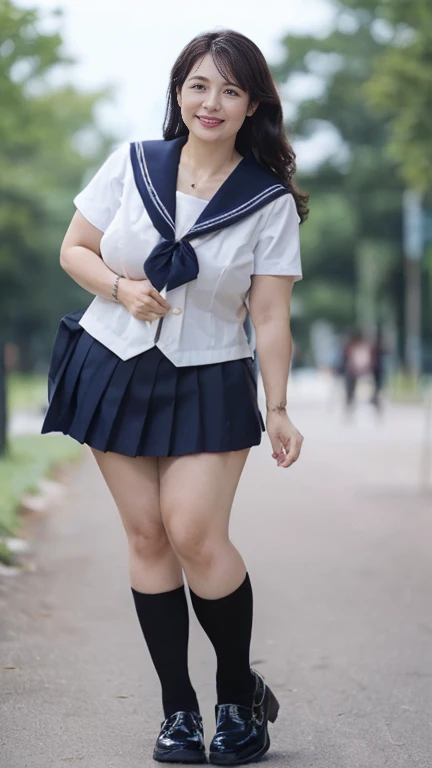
{"points": [[279, 408], [114, 292]]}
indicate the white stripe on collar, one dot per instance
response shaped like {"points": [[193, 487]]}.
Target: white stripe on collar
{"points": [[152, 192], [240, 209]]}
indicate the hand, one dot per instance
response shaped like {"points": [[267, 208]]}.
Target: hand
{"points": [[141, 299], [286, 440]]}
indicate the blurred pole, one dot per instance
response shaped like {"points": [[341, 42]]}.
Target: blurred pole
{"points": [[3, 415], [426, 456], [367, 263], [413, 250]]}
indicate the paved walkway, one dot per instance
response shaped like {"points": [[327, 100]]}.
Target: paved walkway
{"points": [[338, 548]]}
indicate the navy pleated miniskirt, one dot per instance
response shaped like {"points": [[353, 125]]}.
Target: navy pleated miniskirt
{"points": [[147, 406]]}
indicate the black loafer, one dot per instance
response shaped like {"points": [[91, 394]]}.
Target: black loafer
{"points": [[181, 739], [241, 732]]}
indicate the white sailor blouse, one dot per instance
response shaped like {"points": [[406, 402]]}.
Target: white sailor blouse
{"points": [[249, 227]]}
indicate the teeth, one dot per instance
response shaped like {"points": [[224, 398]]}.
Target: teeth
{"points": [[212, 122]]}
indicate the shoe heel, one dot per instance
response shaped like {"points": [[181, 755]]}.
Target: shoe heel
{"points": [[273, 706]]}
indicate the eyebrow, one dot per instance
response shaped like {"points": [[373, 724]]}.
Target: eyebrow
{"points": [[206, 80]]}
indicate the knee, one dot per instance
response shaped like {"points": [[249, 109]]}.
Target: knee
{"points": [[191, 541], [149, 541]]}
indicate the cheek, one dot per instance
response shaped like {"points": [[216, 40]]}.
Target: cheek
{"points": [[237, 111], [190, 99]]}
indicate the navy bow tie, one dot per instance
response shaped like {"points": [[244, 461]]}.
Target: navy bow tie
{"points": [[155, 166], [171, 263]]}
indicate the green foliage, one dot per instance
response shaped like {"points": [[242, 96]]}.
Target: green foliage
{"points": [[356, 193], [40, 172], [400, 87], [30, 458], [319, 302], [26, 391]]}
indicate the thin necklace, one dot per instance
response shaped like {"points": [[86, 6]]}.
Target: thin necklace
{"points": [[194, 184]]}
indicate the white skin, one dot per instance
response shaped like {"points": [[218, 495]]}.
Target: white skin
{"points": [[175, 510]]}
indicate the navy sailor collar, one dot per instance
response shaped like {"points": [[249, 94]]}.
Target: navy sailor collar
{"points": [[155, 166]]}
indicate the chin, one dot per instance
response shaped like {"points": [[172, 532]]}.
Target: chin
{"points": [[208, 135]]}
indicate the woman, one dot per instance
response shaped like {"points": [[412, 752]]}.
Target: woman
{"points": [[156, 375]]}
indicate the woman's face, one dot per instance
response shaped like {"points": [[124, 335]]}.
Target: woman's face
{"points": [[212, 108]]}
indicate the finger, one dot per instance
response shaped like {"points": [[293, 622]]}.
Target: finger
{"points": [[283, 461], [149, 317], [154, 307], [158, 298], [279, 451], [281, 457], [292, 454]]}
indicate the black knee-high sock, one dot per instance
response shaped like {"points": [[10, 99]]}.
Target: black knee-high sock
{"points": [[228, 623], [164, 620]]}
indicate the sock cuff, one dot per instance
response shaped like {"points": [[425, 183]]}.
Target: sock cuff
{"points": [[245, 585], [149, 596]]}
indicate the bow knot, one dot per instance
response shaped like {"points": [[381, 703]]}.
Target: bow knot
{"points": [[171, 263]]}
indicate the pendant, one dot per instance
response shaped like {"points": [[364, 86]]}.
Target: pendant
{"points": [[193, 186]]}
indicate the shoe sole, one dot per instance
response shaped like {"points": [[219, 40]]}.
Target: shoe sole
{"points": [[180, 756], [226, 760]]}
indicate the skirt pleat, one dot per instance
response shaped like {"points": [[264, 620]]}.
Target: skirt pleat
{"points": [[62, 393], [146, 406], [156, 434], [91, 389], [101, 399], [215, 414], [132, 403], [187, 415]]}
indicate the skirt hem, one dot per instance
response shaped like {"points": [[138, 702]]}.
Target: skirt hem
{"points": [[174, 453], [146, 406]]}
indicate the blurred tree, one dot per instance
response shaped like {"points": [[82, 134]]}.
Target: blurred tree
{"points": [[400, 90], [41, 168], [352, 243], [400, 86]]}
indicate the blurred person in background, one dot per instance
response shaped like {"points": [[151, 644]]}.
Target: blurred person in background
{"points": [[357, 361], [156, 375]]}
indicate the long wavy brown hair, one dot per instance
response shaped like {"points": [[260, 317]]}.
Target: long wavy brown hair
{"points": [[238, 58]]}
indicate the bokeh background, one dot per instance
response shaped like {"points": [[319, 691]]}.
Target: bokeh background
{"points": [[77, 78]]}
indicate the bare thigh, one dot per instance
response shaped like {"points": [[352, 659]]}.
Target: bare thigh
{"points": [[135, 488], [196, 496], [201, 487]]}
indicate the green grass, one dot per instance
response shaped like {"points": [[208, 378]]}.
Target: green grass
{"points": [[26, 391], [407, 388], [29, 459]]}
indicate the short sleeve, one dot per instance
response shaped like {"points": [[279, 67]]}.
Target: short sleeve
{"points": [[277, 251], [101, 198]]}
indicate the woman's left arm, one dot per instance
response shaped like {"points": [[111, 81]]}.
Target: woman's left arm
{"points": [[269, 306]]}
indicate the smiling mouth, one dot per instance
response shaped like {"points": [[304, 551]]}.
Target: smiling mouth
{"points": [[209, 120]]}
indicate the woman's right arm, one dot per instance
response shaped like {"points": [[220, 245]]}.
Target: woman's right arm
{"points": [[80, 257]]}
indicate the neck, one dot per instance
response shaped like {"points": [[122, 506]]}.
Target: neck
{"points": [[201, 158]]}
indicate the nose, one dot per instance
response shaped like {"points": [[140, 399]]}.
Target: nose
{"points": [[211, 102]]}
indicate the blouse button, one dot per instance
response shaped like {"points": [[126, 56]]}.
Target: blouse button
{"points": [[176, 311]]}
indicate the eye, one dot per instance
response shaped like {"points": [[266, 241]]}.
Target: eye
{"points": [[231, 91], [197, 85]]}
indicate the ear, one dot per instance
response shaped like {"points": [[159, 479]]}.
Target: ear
{"points": [[179, 100], [252, 108]]}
